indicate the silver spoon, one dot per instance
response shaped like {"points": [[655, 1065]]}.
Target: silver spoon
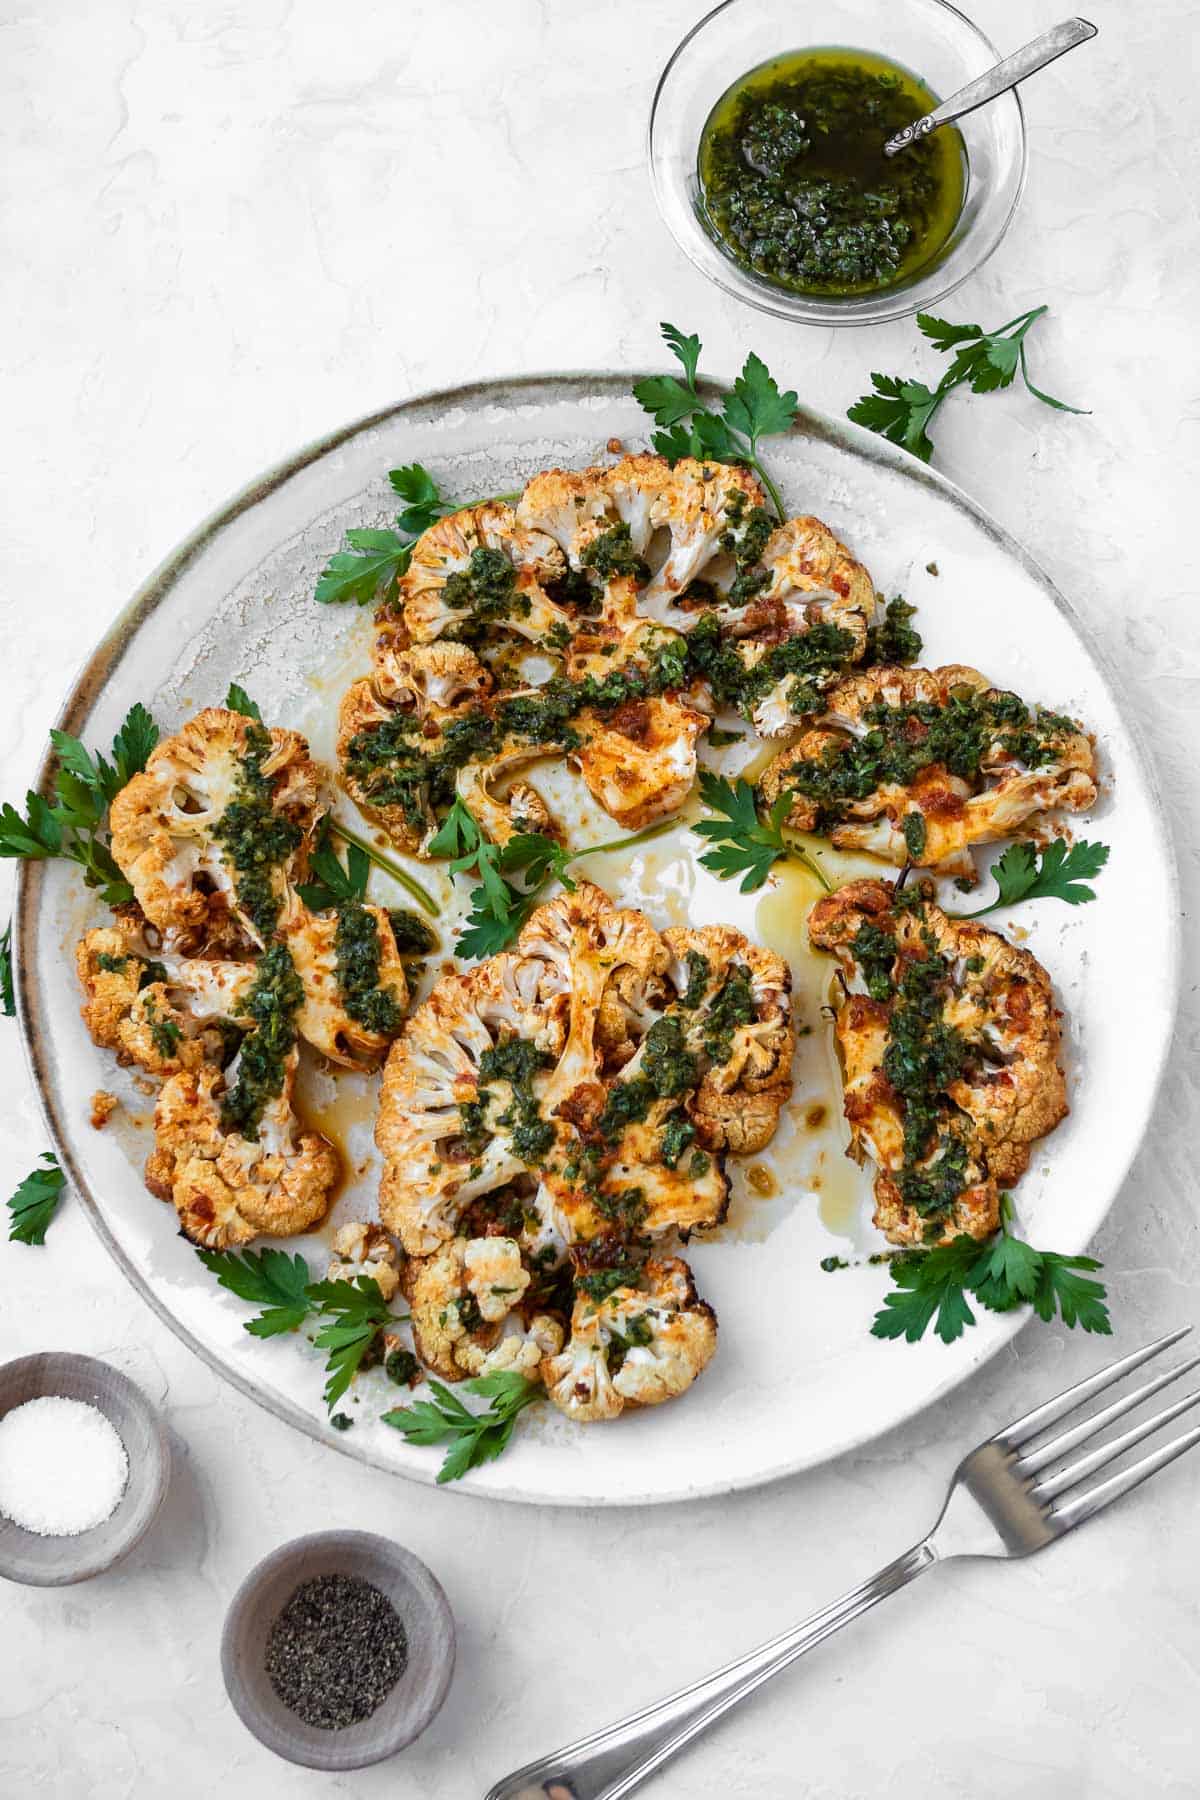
{"points": [[1005, 75]]}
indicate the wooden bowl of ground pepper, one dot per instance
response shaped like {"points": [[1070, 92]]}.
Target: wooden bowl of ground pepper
{"points": [[338, 1649]]}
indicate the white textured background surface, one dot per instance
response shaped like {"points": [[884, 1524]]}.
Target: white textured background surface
{"points": [[226, 228]]}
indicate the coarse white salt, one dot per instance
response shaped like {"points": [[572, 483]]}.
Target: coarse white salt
{"points": [[63, 1468]]}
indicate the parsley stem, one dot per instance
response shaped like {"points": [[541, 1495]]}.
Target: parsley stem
{"points": [[407, 881], [800, 855], [623, 843], [488, 500], [773, 491]]}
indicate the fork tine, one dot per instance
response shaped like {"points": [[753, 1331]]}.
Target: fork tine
{"points": [[1022, 1429], [1097, 1498], [1097, 1422], [1083, 1466]]}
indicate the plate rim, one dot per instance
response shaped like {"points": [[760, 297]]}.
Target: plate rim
{"points": [[102, 662]]}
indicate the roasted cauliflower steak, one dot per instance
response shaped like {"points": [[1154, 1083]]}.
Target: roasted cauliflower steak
{"points": [[212, 831], [552, 1115], [603, 619], [916, 765], [949, 1041]]}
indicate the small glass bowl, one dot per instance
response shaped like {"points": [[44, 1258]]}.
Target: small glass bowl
{"points": [[929, 37]]}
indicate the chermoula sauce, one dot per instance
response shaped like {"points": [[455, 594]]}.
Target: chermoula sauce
{"points": [[796, 188]]}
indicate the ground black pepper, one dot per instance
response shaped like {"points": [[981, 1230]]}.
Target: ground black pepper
{"points": [[336, 1651]]}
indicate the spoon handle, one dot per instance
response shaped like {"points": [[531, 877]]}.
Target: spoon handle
{"points": [[997, 80]]}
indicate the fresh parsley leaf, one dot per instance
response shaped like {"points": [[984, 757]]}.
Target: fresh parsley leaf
{"points": [[366, 572], [900, 410], [355, 1312], [8, 998], [500, 905], [416, 485], [35, 1202], [133, 744], [268, 1278], [334, 883], [745, 844], [238, 700], [1080, 1301], [931, 1286], [1054, 871], [474, 1438], [756, 408], [1000, 1275], [35, 836]]}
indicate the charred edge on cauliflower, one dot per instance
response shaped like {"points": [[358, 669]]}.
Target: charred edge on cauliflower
{"points": [[255, 838], [904, 740], [272, 1003]]}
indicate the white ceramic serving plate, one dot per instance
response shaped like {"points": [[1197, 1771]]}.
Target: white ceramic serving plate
{"points": [[797, 1378]]}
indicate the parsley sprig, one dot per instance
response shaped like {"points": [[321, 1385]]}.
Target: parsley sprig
{"points": [[473, 1437], [900, 410], [513, 878], [72, 825], [35, 1202], [745, 844], [8, 998], [932, 1286], [376, 559], [335, 881], [754, 409], [238, 700], [1054, 871], [352, 1314]]}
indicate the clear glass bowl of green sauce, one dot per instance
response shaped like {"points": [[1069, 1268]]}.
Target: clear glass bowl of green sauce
{"points": [[766, 138]]}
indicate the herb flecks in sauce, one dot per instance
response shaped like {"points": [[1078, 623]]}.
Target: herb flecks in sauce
{"points": [[256, 839], [271, 1002], [795, 184], [358, 958]]}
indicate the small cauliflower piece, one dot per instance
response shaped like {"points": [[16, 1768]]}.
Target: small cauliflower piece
{"points": [[640, 762], [177, 1020], [459, 1298], [480, 566], [104, 1105], [966, 763], [211, 830], [361, 1248], [637, 1347], [953, 1119], [228, 1189]]}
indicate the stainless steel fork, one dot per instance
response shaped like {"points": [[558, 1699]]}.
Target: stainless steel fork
{"points": [[1010, 1497]]}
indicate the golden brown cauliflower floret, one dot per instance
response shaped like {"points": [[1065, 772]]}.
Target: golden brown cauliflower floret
{"points": [[979, 1076], [962, 763], [214, 827], [352, 1029], [739, 1023], [361, 1248], [481, 565], [177, 1020], [228, 1189], [638, 1346], [465, 1301], [640, 762]]}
